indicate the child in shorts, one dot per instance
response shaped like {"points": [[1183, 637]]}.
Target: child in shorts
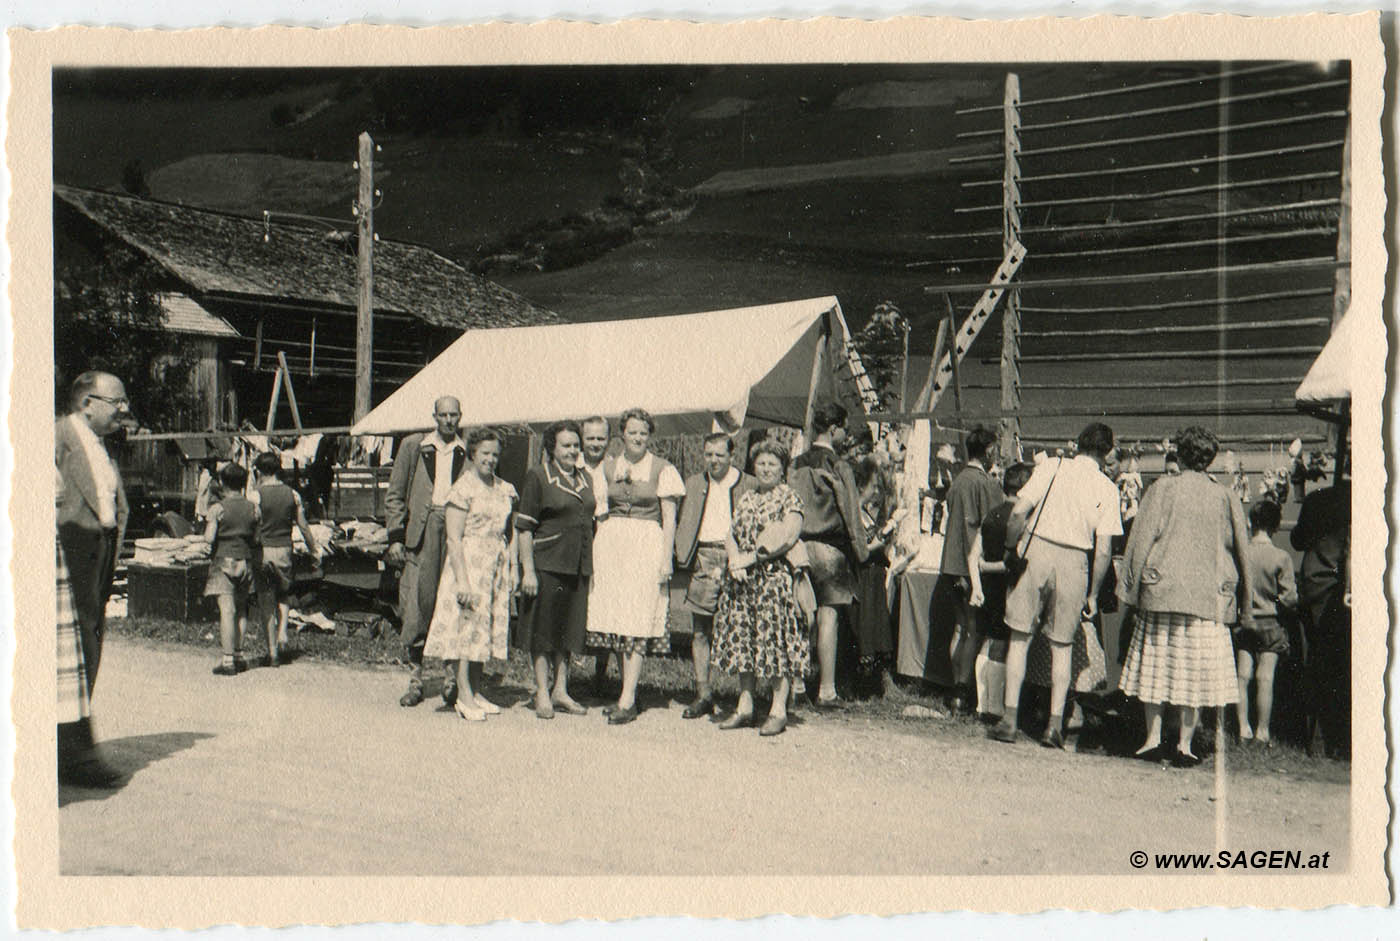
{"points": [[1274, 588], [988, 595], [279, 509], [232, 532]]}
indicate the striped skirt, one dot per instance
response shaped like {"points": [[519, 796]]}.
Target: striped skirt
{"points": [[1179, 659], [72, 672]]}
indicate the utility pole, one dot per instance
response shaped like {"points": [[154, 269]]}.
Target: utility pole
{"points": [[364, 278]]}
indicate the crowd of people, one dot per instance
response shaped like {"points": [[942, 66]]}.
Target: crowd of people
{"points": [[783, 567], [779, 561]]}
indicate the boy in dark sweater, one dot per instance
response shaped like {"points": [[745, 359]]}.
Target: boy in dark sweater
{"points": [[988, 595]]}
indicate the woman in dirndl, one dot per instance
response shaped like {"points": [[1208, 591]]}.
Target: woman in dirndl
{"points": [[1184, 573], [628, 600], [471, 621], [760, 629]]}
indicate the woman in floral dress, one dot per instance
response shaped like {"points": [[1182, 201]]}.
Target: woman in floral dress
{"points": [[471, 622], [759, 629]]}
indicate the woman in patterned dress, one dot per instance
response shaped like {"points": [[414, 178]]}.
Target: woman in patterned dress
{"points": [[759, 629], [471, 622], [1184, 572], [628, 601]]}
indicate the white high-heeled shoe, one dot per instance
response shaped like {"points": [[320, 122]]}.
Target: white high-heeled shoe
{"points": [[486, 705], [471, 713]]}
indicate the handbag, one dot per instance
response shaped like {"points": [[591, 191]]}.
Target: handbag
{"points": [[1016, 555], [802, 591]]}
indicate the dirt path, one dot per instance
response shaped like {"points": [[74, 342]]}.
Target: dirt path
{"points": [[314, 769]]}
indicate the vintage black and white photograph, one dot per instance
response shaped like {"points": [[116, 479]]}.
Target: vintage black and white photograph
{"points": [[834, 468]]}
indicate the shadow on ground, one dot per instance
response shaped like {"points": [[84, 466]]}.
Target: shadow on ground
{"points": [[130, 756]]}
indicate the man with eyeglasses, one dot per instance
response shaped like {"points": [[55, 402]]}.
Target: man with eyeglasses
{"points": [[91, 516]]}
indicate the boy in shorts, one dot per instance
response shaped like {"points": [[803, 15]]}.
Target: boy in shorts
{"points": [[1273, 588], [279, 508], [232, 531]]}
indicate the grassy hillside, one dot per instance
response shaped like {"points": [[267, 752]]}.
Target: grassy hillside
{"points": [[653, 191]]}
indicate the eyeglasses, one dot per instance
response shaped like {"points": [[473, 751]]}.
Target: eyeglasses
{"points": [[122, 402]]}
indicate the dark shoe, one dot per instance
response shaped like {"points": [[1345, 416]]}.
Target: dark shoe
{"points": [[570, 708], [774, 726], [739, 720], [224, 670], [89, 771], [1053, 739], [609, 709], [414, 695], [701, 707], [1003, 731], [623, 716], [240, 665], [449, 694], [1156, 753], [1183, 760]]}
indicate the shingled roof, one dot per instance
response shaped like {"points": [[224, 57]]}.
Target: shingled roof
{"points": [[217, 252]]}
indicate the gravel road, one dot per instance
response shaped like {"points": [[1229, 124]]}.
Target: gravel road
{"points": [[314, 769]]}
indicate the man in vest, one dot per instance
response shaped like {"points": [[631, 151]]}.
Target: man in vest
{"points": [[91, 516], [425, 469], [705, 519]]}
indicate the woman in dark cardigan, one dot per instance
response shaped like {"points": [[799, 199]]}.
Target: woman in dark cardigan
{"points": [[555, 527]]}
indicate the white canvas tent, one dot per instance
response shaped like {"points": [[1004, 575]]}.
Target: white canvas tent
{"points": [[1329, 377], [750, 365]]}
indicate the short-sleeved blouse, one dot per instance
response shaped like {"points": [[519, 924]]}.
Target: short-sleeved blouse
{"points": [[558, 510], [756, 509], [488, 506]]}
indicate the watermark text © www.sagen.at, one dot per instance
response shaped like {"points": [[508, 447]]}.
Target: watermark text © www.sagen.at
{"points": [[1247, 860]]}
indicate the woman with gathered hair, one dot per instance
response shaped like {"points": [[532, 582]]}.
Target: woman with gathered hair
{"points": [[1185, 574], [628, 602], [760, 630]]}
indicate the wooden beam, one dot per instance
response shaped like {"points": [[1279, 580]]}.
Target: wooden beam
{"points": [[1009, 428], [364, 280], [1165, 409], [1294, 266], [291, 394], [1341, 298], [274, 398]]}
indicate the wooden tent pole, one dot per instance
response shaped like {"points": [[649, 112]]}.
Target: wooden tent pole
{"points": [[818, 363]]}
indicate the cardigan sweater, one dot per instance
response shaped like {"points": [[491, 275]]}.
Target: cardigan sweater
{"points": [[1186, 553]]}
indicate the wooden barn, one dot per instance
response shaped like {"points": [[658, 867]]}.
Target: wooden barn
{"points": [[243, 290], [248, 289]]}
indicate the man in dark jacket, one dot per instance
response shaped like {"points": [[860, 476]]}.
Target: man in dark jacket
{"points": [[832, 531], [705, 520], [1323, 535], [425, 468]]}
